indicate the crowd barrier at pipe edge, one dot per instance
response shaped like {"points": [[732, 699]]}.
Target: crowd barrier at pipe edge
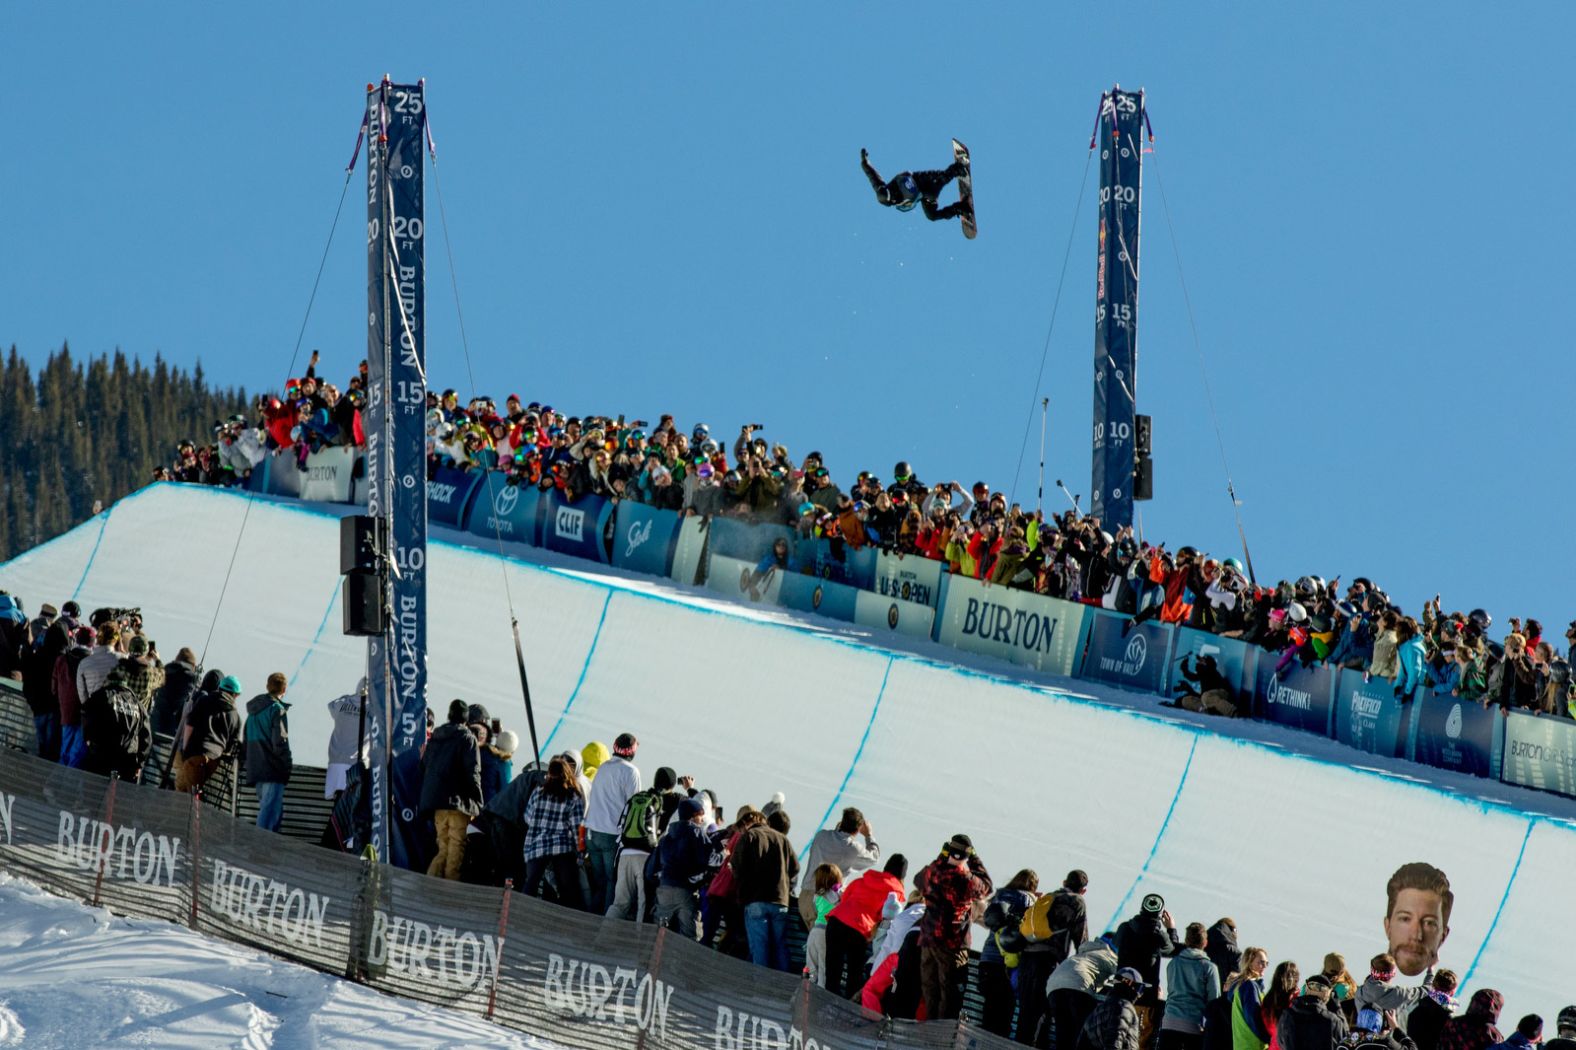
{"points": [[917, 597], [1180, 807]]}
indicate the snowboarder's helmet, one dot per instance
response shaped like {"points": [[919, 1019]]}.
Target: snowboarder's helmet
{"points": [[701, 432], [1233, 564], [901, 471], [1305, 586], [1481, 618], [1296, 613]]}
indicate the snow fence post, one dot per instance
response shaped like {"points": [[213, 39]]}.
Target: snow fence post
{"points": [[503, 925], [107, 829], [194, 835]]}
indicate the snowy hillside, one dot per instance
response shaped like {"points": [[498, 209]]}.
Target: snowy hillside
{"points": [[73, 976]]}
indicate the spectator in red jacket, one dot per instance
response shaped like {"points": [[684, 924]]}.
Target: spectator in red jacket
{"points": [[850, 924], [952, 884]]}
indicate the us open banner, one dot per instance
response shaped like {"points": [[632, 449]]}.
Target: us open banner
{"points": [[909, 578], [1540, 752], [1132, 655], [1451, 733], [1368, 716], [1020, 626]]}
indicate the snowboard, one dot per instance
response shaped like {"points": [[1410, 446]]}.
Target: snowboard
{"points": [[960, 153]]}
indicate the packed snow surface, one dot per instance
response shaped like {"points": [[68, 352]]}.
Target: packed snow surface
{"points": [[1292, 835], [73, 976]]}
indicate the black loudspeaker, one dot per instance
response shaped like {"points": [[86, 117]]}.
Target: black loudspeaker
{"points": [[1144, 478], [362, 599], [361, 539], [1143, 435]]}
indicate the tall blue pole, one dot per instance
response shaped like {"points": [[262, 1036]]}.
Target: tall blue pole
{"points": [[1119, 139], [397, 462]]}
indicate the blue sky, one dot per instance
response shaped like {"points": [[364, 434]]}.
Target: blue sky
{"points": [[658, 207]]}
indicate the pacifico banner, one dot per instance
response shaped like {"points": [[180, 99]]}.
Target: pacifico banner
{"points": [[1020, 626], [1369, 716]]}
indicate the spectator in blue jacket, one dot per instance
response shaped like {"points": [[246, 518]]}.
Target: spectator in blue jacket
{"points": [[1410, 657], [683, 860], [1192, 982]]}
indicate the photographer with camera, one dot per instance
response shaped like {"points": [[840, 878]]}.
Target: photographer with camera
{"points": [[1204, 688]]}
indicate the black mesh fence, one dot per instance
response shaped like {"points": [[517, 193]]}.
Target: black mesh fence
{"points": [[572, 978]]}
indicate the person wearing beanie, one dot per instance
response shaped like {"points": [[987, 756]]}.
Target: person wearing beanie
{"points": [[840, 846], [143, 670], [852, 923], [683, 862], [615, 782], [1475, 1029], [1141, 942], [641, 824], [451, 788], [211, 733], [1565, 1026], [1114, 1025], [268, 760], [1309, 1023], [498, 762], [952, 884], [1059, 923]]}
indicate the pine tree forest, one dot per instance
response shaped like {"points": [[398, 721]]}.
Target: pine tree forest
{"points": [[76, 436]]}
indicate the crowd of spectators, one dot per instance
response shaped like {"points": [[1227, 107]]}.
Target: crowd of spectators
{"points": [[974, 531], [586, 832]]}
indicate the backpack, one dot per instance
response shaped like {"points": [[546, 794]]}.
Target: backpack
{"points": [[1042, 920], [114, 724], [641, 820]]}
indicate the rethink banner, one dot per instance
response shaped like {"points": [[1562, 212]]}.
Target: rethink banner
{"points": [[1368, 716], [1540, 752], [1020, 626], [1300, 697], [1133, 656]]}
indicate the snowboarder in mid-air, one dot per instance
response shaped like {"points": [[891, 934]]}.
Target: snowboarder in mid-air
{"points": [[908, 188]]}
